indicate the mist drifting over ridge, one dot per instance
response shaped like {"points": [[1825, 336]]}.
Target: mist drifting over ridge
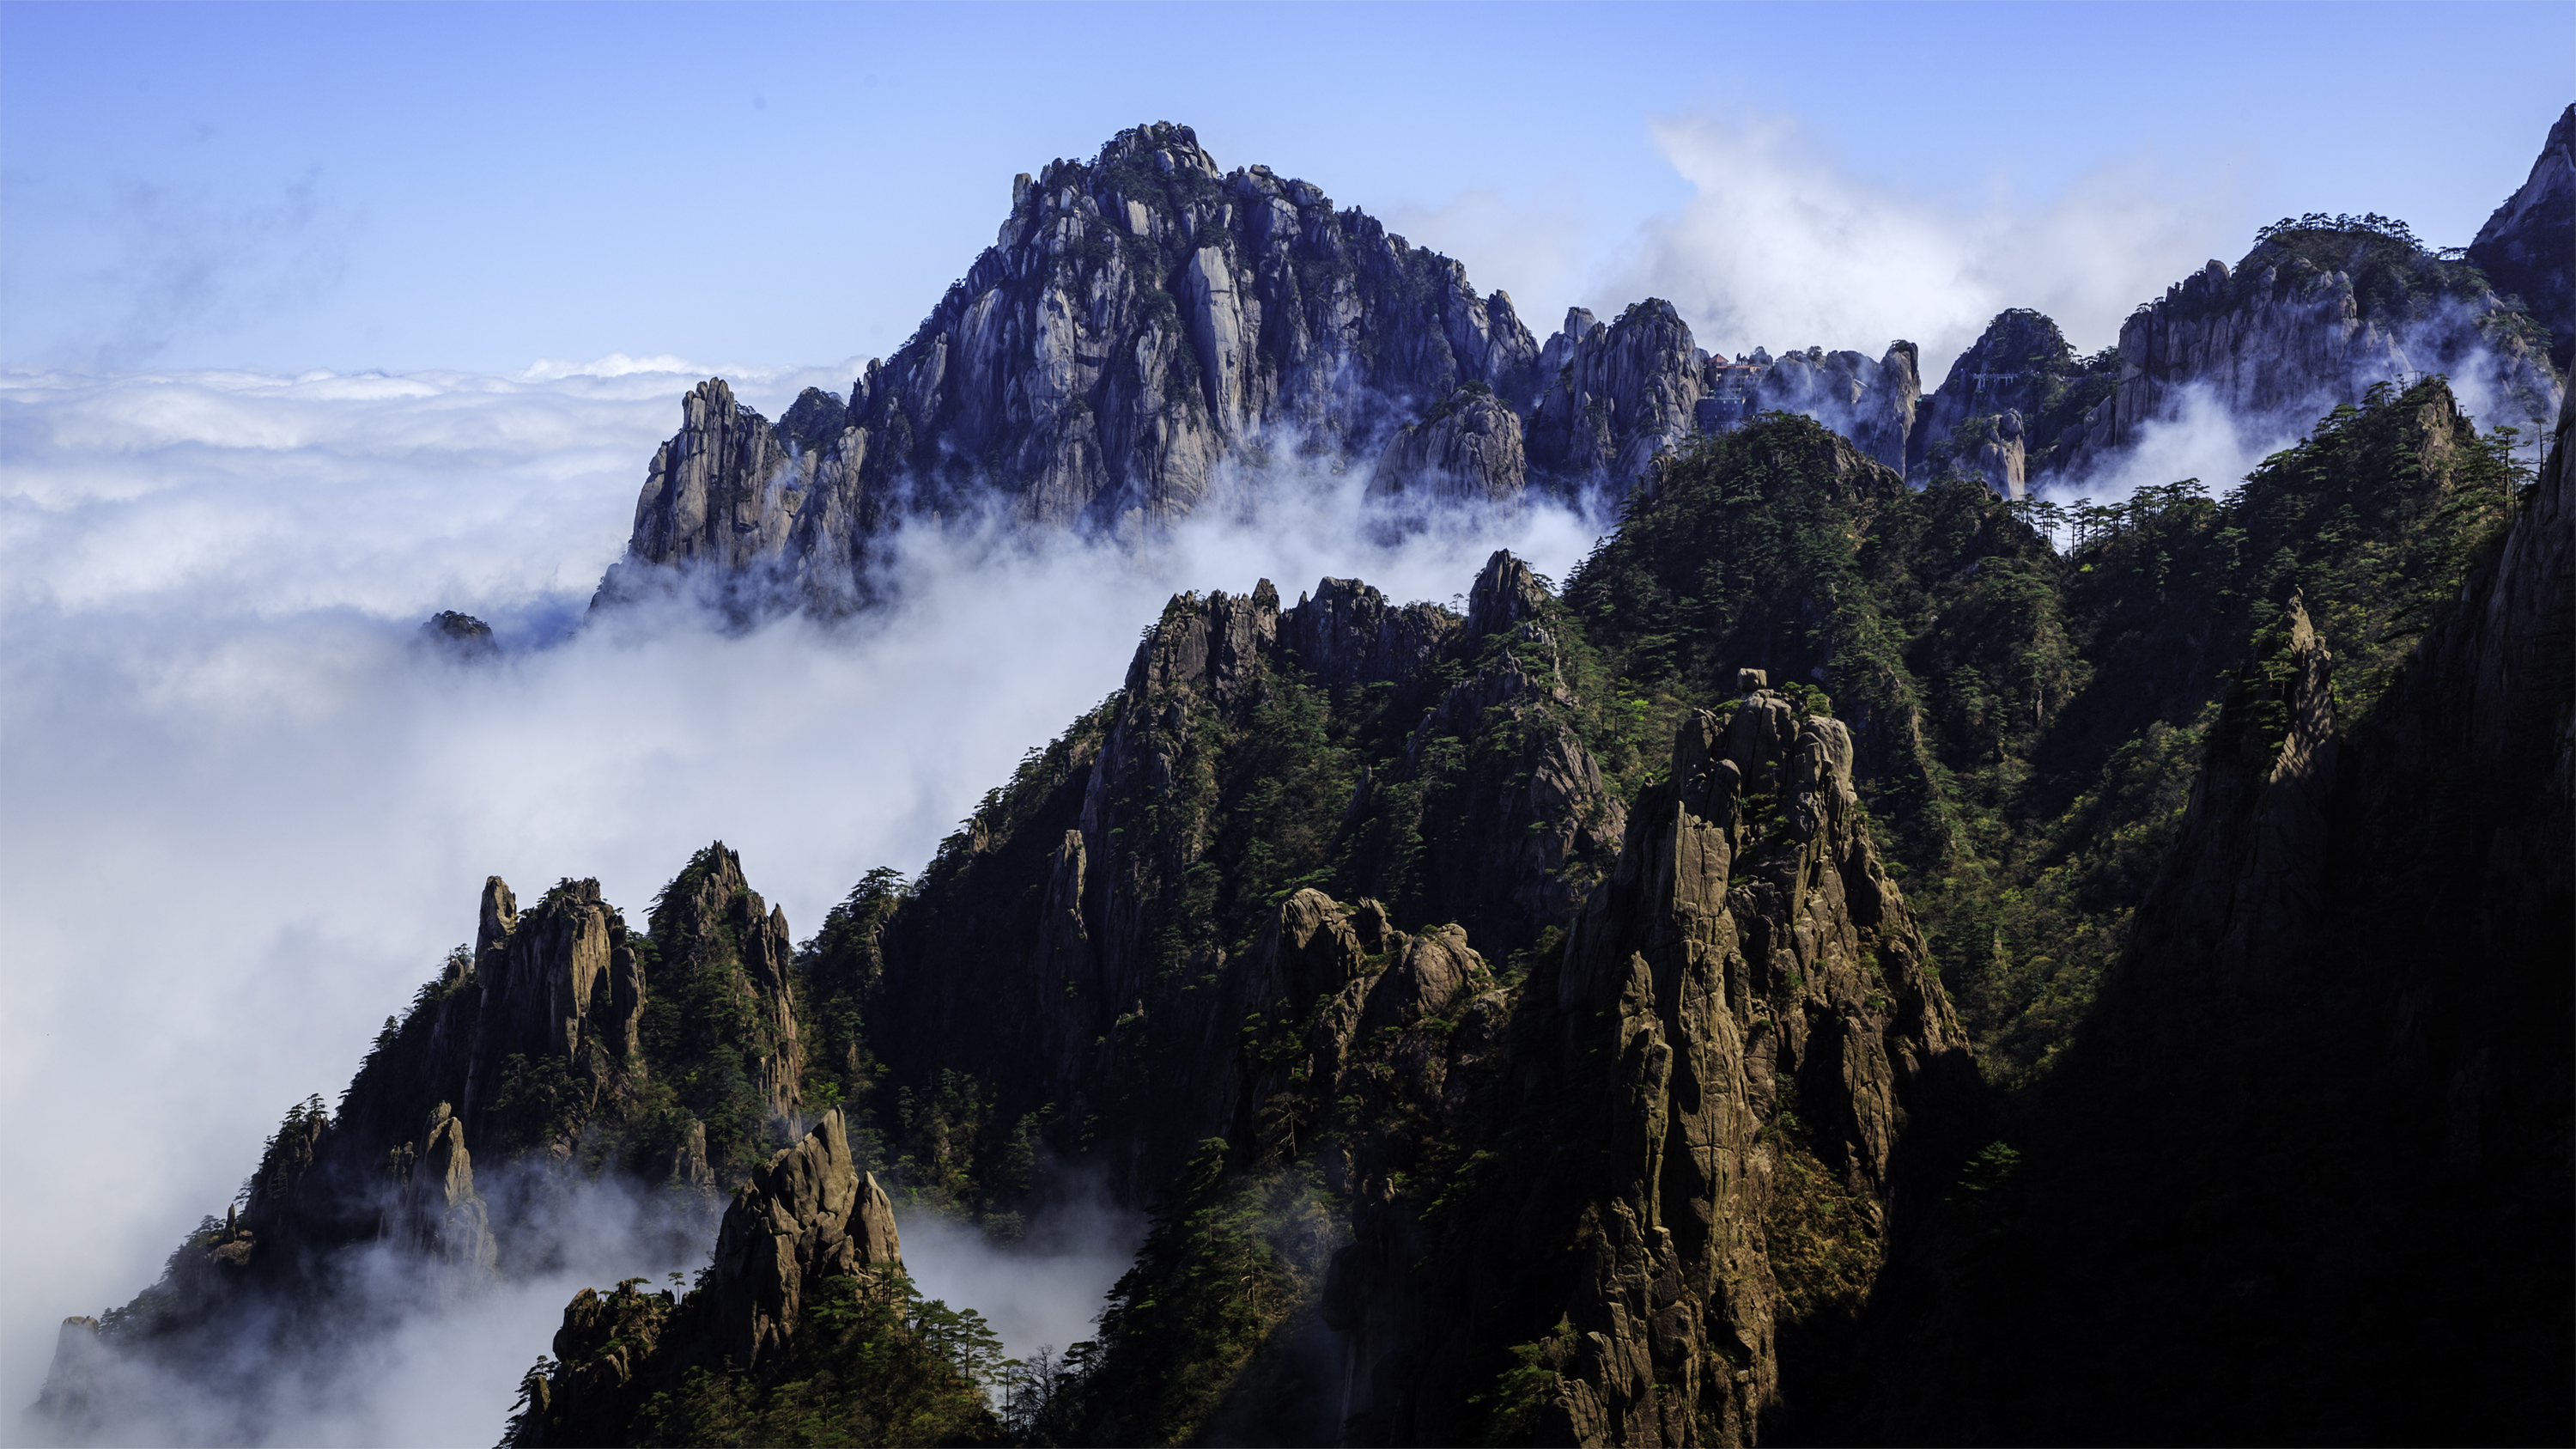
{"points": [[248, 813]]}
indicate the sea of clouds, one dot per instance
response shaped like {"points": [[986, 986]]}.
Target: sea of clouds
{"points": [[243, 813]]}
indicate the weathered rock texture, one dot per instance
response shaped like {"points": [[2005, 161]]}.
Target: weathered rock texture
{"points": [[807, 1217], [1467, 449], [1146, 321], [2286, 336], [1982, 419], [1110, 990], [809, 1214], [440, 1211], [1621, 394], [526, 1066], [1140, 317], [1873, 403], [1748, 953], [2528, 248]]}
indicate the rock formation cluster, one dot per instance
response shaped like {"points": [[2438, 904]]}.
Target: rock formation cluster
{"points": [[1550, 1020], [1148, 326]]}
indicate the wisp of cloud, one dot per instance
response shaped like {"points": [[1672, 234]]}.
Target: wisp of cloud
{"points": [[1784, 246]]}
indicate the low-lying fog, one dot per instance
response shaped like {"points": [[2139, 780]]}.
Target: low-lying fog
{"points": [[245, 816]]}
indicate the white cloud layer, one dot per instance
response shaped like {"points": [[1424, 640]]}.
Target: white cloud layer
{"points": [[1786, 246], [242, 816]]}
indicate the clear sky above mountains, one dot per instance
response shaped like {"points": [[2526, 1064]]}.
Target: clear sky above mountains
{"points": [[479, 187]]}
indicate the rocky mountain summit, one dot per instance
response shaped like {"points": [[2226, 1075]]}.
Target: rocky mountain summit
{"points": [[1149, 330], [2524, 248], [1148, 325], [2320, 310], [1139, 318]]}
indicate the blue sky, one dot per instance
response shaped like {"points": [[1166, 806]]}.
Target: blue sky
{"points": [[480, 186]]}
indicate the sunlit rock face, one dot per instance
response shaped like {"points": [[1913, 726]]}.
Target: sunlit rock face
{"points": [[2525, 248], [1749, 957], [1147, 321], [2318, 313], [1141, 318]]}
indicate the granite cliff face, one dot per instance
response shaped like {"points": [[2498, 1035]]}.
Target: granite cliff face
{"points": [[1140, 319], [2524, 247], [807, 1220], [2005, 399], [1469, 449], [1625, 391], [1742, 1030], [1114, 989], [2313, 316], [1146, 321]]}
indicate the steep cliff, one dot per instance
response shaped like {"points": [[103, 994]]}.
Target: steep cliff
{"points": [[1138, 319], [1621, 393], [2524, 248], [1147, 325], [807, 1235], [1469, 448], [560, 1047], [2008, 400], [1686, 1134], [2310, 1155], [1875, 404], [2320, 310]]}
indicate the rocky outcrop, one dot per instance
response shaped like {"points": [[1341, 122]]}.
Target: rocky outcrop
{"points": [[1504, 595], [563, 984], [711, 918], [461, 637], [1138, 317], [75, 1383], [806, 1218], [538, 1031], [441, 1213], [1980, 420], [1745, 1015], [1466, 450], [2315, 315], [1873, 403], [808, 1215], [1348, 635], [1620, 394], [2524, 248]]}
